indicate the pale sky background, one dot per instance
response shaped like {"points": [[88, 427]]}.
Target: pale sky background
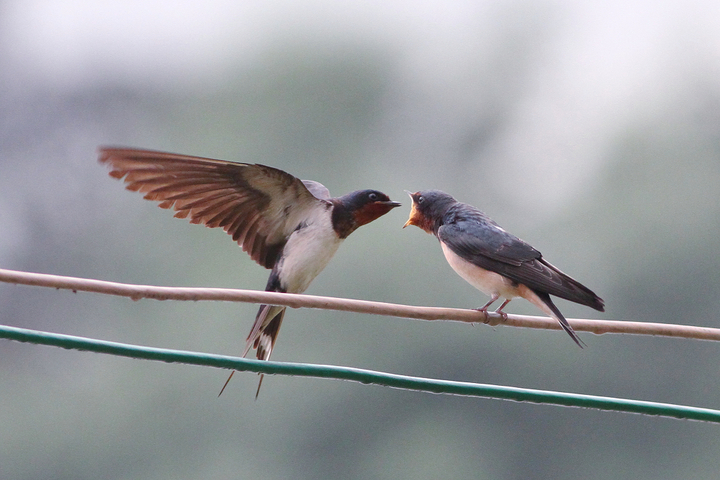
{"points": [[599, 65]]}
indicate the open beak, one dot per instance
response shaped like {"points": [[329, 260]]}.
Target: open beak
{"points": [[411, 220], [414, 213]]}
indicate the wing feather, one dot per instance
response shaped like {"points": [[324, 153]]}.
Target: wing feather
{"points": [[259, 206]]}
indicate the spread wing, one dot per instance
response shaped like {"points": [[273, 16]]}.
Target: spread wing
{"points": [[482, 242], [258, 206]]}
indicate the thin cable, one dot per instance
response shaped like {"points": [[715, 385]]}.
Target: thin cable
{"points": [[368, 377], [136, 292]]}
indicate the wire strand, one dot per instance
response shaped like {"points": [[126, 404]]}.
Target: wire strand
{"points": [[137, 292], [368, 377]]}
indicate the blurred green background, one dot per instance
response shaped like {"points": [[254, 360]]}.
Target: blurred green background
{"points": [[591, 130]]}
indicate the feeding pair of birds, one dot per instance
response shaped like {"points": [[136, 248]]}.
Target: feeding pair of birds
{"points": [[294, 227]]}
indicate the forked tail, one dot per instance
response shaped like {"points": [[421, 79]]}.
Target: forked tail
{"points": [[262, 337], [545, 298]]}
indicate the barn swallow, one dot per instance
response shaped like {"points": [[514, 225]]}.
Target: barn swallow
{"points": [[494, 261], [290, 226]]}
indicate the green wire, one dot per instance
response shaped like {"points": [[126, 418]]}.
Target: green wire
{"points": [[362, 376]]}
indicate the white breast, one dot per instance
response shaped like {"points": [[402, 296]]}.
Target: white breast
{"points": [[307, 252], [490, 283]]}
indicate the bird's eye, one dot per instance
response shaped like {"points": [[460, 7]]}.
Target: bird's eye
{"points": [[373, 196], [420, 199]]}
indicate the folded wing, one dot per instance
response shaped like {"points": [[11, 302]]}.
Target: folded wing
{"points": [[485, 244]]}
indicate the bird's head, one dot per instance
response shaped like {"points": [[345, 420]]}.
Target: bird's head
{"points": [[362, 207], [428, 208]]}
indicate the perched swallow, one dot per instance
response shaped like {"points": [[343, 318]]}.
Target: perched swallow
{"points": [[285, 224], [494, 261]]}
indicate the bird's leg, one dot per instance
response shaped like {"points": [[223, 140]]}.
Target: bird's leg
{"points": [[484, 308], [500, 312]]}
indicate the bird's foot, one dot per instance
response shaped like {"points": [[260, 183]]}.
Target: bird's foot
{"points": [[500, 312], [484, 308], [484, 311]]}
